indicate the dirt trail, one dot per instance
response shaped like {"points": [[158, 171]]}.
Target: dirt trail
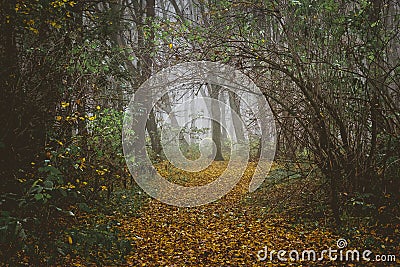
{"points": [[229, 232]]}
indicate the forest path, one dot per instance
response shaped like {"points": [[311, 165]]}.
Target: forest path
{"points": [[228, 232]]}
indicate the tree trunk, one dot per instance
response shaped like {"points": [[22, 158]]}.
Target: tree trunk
{"points": [[234, 103], [214, 91]]}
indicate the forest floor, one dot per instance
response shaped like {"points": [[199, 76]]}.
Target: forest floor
{"points": [[237, 229]]}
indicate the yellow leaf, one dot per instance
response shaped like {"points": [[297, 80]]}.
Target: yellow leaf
{"points": [[64, 104], [170, 46], [70, 240], [35, 31], [58, 118]]}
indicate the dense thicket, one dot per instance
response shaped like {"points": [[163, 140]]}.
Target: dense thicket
{"points": [[329, 69]]}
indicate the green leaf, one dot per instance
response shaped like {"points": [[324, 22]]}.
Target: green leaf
{"points": [[38, 196], [48, 185]]}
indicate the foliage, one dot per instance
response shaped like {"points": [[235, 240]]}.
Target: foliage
{"points": [[105, 144], [232, 230], [98, 243], [67, 183], [329, 69], [26, 217]]}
